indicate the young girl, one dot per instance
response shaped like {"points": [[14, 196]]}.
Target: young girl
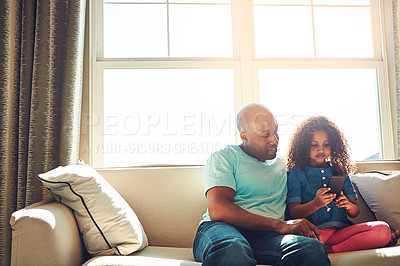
{"points": [[319, 150]]}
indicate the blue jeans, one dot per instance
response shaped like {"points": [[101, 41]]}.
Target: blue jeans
{"points": [[219, 243]]}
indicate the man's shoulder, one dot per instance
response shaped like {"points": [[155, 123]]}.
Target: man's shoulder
{"points": [[280, 159], [229, 150], [279, 162], [227, 155]]}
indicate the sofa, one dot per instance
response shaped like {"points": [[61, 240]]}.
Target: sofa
{"points": [[169, 202]]}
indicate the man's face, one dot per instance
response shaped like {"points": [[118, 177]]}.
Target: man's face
{"points": [[262, 136]]}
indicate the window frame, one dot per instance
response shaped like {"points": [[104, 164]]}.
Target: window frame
{"points": [[245, 66]]}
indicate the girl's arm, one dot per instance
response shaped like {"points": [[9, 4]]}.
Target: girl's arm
{"points": [[322, 198], [351, 206]]}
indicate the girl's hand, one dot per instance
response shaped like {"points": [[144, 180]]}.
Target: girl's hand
{"points": [[323, 198], [342, 201]]}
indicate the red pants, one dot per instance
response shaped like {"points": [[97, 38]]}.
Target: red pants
{"points": [[357, 237]]}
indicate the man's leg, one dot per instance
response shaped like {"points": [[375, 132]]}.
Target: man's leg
{"points": [[218, 243], [276, 249]]}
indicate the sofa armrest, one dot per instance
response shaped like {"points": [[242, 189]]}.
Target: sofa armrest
{"points": [[46, 235]]}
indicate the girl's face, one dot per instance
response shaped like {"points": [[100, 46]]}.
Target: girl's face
{"points": [[320, 149]]}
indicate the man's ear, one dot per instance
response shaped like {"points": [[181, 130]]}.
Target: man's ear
{"points": [[244, 137]]}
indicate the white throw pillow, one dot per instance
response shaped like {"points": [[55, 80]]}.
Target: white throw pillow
{"points": [[381, 193], [107, 223]]}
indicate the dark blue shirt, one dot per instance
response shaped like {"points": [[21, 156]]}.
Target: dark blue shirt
{"points": [[303, 186]]}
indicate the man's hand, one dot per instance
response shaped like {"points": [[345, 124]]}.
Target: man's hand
{"points": [[301, 227]]}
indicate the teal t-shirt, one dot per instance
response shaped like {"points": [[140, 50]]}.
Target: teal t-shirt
{"points": [[260, 187]]}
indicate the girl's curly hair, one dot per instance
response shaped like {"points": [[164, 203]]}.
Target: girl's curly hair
{"points": [[300, 144]]}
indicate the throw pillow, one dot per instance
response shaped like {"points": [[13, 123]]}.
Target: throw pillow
{"points": [[381, 193], [107, 223]]}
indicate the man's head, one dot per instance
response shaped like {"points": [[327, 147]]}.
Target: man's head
{"points": [[258, 131]]}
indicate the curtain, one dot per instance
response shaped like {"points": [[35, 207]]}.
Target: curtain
{"points": [[41, 58], [396, 34]]}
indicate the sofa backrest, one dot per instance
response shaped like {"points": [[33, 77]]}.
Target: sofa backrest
{"points": [[380, 165], [169, 201], [389, 165]]}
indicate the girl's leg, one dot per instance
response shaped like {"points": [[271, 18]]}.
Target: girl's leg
{"points": [[361, 236], [395, 238], [326, 233]]}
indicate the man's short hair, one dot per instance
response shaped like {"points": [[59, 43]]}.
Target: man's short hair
{"points": [[241, 121]]}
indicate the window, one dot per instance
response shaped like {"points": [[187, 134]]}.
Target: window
{"points": [[168, 76]]}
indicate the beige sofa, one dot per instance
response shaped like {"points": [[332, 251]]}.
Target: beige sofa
{"points": [[169, 203]]}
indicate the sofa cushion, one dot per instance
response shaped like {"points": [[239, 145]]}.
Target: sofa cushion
{"points": [[150, 256], [366, 214], [389, 256], [381, 193], [107, 223], [169, 201]]}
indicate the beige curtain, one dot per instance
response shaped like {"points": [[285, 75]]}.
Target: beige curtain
{"points": [[41, 56], [396, 33]]}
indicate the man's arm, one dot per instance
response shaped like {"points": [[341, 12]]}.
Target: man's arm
{"points": [[221, 208]]}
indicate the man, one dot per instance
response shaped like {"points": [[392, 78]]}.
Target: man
{"points": [[246, 194]]}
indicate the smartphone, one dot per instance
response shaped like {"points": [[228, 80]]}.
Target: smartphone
{"points": [[336, 184]]}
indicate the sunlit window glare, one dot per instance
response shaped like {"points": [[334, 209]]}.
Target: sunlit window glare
{"points": [[174, 72], [294, 94], [324, 29], [190, 115], [134, 29]]}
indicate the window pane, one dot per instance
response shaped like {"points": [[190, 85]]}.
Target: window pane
{"points": [[200, 31], [315, 2], [166, 116], [347, 96], [342, 2], [126, 36], [283, 2], [283, 31], [347, 37], [135, 1], [201, 1]]}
